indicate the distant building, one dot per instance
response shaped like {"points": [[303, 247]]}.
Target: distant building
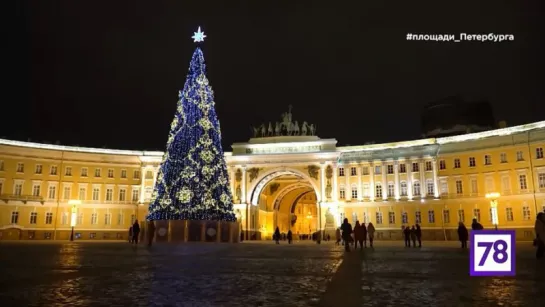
{"points": [[454, 116]]}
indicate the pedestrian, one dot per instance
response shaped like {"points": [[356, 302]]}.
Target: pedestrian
{"points": [[290, 236], [407, 235], [277, 235], [151, 232], [338, 236], [419, 235], [328, 237], [413, 235], [463, 235], [476, 225], [135, 232], [371, 233], [359, 235], [347, 234], [130, 234], [364, 234], [539, 228]]}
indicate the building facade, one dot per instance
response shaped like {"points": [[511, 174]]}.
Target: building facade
{"points": [[295, 182]]}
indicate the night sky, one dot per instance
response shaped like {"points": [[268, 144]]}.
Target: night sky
{"points": [[107, 73]]}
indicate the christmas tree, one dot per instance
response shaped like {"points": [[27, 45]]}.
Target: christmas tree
{"points": [[192, 183]]}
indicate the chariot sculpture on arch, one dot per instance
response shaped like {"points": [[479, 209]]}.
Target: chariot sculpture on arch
{"points": [[286, 127]]}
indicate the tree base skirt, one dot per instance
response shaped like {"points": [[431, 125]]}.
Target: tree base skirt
{"points": [[180, 231]]}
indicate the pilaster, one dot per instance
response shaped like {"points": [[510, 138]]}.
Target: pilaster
{"points": [[383, 170], [396, 178]]}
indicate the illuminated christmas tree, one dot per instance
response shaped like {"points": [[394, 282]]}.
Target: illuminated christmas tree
{"points": [[192, 183]]}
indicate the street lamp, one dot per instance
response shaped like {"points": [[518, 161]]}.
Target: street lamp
{"points": [[73, 217], [493, 198]]}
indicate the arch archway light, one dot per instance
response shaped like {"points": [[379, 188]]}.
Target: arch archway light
{"points": [[287, 189]]}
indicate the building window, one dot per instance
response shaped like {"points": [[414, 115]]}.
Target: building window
{"points": [[93, 235], [365, 190], [509, 214], [342, 193], [67, 193], [472, 162], [96, 194], [446, 216], [94, 218], [416, 188], [1, 165], [391, 217], [503, 157], [84, 172], [120, 218], [123, 174], [33, 217], [520, 156], [442, 164], [415, 167], [136, 174], [461, 215], [53, 170], [431, 216], [64, 218], [489, 184], [402, 168], [378, 170], [110, 173], [403, 188], [14, 217], [429, 166], [341, 171], [79, 219], [1, 187], [487, 160], [404, 218], [122, 194], [38, 169], [506, 186], [390, 189], [477, 214], [526, 213], [541, 180], [390, 169], [457, 163], [97, 172], [539, 153], [107, 219], [68, 171], [353, 171], [47, 235], [49, 218], [82, 192], [365, 170], [20, 167], [354, 192], [378, 189], [36, 189], [430, 187], [109, 194], [52, 192], [18, 189], [522, 182], [379, 218], [135, 195], [474, 186], [459, 187], [149, 175], [418, 217]]}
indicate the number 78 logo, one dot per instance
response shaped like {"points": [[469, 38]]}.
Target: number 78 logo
{"points": [[492, 253]]}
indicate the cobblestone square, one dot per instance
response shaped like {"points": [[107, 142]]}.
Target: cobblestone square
{"points": [[257, 274]]}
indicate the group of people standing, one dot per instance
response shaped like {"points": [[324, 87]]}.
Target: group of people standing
{"points": [[413, 234], [360, 232], [134, 232]]}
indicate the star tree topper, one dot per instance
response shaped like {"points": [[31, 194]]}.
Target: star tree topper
{"points": [[198, 36]]}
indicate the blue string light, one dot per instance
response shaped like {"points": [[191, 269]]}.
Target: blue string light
{"points": [[192, 183]]}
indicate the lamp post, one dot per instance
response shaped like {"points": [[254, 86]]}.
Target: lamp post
{"points": [[73, 217], [493, 198]]}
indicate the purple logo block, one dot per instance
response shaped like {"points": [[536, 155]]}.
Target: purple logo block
{"points": [[492, 253]]}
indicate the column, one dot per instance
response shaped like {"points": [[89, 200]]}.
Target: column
{"points": [[423, 184], [335, 192], [322, 181], [232, 185], [372, 182], [409, 169], [142, 185], [435, 183], [396, 176], [243, 188], [384, 181], [348, 188], [360, 184]]}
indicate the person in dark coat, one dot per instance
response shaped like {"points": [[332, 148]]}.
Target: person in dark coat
{"points": [[347, 234], [135, 232], [463, 234], [358, 235], [407, 235], [476, 225], [290, 236], [277, 235], [151, 232], [364, 234], [419, 235], [413, 235]]}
